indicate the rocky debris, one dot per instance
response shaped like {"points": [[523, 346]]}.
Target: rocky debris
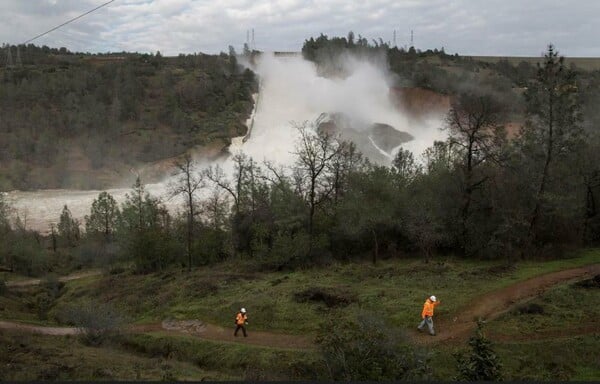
{"points": [[185, 326]]}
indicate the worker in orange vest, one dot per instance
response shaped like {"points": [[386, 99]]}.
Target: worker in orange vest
{"points": [[427, 314], [241, 319]]}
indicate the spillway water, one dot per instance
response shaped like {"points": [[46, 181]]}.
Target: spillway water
{"points": [[291, 92]]}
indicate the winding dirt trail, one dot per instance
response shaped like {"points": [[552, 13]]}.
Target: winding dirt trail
{"points": [[459, 326], [74, 276], [487, 306], [182, 328]]}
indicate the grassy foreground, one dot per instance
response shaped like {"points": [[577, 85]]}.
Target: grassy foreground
{"points": [[280, 301]]}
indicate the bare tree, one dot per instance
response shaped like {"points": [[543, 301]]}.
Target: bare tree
{"points": [[242, 164], [314, 154], [474, 128], [189, 181], [215, 208]]}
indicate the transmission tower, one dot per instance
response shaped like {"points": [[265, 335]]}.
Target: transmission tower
{"points": [[412, 41], [9, 59], [19, 63], [253, 44], [394, 37]]}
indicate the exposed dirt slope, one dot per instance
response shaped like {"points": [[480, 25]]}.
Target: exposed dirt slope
{"points": [[419, 102]]}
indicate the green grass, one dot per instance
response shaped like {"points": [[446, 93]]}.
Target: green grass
{"points": [[19, 307], [570, 359], [9, 276], [35, 357], [395, 289], [237, 360], [564, 307]]}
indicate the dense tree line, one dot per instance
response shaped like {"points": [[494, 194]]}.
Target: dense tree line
{"points": [[63, 113], [477, 194]]}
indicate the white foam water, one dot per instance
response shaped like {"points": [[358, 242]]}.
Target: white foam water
{"points": [[291, 92]]}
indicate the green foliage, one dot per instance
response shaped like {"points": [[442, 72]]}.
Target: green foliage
{"points": [[61, 113], [145, 230], [68, 227], [104, 216], [369, 205], [482, 363], [368, 350], [23, 253]]}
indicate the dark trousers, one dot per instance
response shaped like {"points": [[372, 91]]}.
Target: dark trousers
{"points": [[237, 328]]}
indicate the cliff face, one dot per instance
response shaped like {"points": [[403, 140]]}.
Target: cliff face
{"points": [[418, 102]]}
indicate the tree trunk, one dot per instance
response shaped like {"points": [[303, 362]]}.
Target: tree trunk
{"points": [[190, 231], [311, 214], [542, 187], [467, 198], [376, 249], [590, 211]]}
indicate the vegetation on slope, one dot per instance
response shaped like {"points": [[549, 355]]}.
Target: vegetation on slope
{"points": [[79, 120]]}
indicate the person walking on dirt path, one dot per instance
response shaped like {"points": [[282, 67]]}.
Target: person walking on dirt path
{"points": [[241, 319], [427, 314]]}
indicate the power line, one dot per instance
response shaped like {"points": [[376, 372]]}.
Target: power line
{"points": [[67, 22]]}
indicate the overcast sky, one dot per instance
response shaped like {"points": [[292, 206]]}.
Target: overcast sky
{"points": [[468, 27]]}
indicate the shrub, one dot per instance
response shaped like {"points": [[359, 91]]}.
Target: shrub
{"points": [[97, 322], [368, 349], [329, 297], [3, 288], [43, 303], [530, 309], [482, 363], [52, 286], [589, 283]]}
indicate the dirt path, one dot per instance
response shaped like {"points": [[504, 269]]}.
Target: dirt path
{"points": [[52, 331], [214, 332], [74, 276], [194, 328], [455, 328], [459, 326]]}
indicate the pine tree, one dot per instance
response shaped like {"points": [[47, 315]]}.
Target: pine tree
{"points": [[482, 364]]}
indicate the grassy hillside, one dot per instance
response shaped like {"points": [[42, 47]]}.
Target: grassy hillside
{"points": [[82, 121]]}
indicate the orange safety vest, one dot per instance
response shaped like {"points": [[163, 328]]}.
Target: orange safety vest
{"points": [[428, 308], [241, 318]]}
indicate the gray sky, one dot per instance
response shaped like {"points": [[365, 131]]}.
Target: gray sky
{"points": [[469, 27]]}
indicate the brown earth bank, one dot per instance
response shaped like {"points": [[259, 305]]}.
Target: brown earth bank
{"points": [[453, 328], [419, 102]]}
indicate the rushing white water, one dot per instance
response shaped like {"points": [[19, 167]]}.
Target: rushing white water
{"points": [[291, 92]]}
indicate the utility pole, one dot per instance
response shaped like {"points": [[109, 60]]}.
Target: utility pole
{"points": [[9, 59], [19, 63], [394, 38], [253, 44]]}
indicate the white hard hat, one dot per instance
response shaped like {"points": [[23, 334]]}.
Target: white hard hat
{"points": [[432, 298], [243, 310]]}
